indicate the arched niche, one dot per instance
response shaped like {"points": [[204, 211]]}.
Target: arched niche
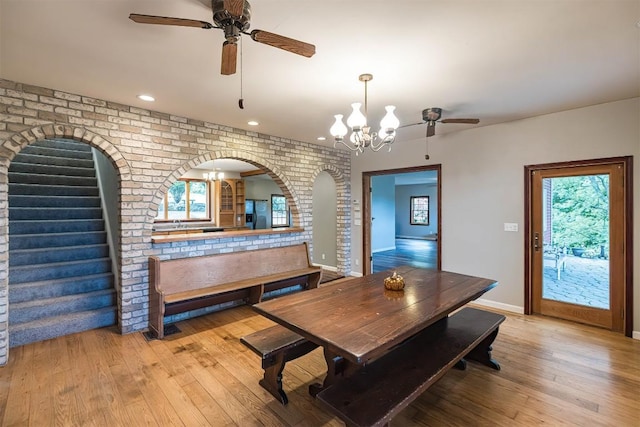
{"points": [[325, 248]]}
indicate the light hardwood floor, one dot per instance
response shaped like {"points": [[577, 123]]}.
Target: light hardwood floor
{"points": [[553, 373]]}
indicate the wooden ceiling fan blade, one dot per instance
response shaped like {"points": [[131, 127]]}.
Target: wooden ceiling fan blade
{"points": [[465, 121], [431, 129], [285, 43], [234, 7], [166, 20], [412, 124], [229, 58]]}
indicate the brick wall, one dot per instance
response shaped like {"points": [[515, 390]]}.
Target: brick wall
{"points": [[150, 150]]}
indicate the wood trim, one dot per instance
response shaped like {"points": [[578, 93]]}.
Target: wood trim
{"points": [[366, 223], [366, 210], [223, 234], [253, 173], [628, 303]]}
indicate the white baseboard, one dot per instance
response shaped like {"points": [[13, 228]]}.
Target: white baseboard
{"points": [[355, 274], [326, 267], [499, 306], [433, 238], [635, 335]]}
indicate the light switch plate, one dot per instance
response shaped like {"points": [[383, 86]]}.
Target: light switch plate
{"points": [[510, 226]]}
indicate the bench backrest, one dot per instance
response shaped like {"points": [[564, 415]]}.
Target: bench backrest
{"points": [[185, 274]]}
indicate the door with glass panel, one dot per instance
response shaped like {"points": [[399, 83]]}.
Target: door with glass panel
{"points": [[577, 242]]}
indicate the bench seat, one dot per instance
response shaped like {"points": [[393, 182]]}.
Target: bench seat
{"points": [[185, 284], [240, 284], [276, 346], [373, 395]]}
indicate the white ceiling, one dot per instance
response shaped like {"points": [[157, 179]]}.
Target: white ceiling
{"points": [[498, 60]]}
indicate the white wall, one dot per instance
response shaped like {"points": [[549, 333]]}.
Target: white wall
{"points": [[383, 213], [483, 185], [403, 210], [324, 221]]}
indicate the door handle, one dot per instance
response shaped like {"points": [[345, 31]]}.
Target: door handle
{"points": [[536, 242]]}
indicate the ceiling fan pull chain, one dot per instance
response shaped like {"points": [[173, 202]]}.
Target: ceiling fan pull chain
{"points": [[241, 101], [426, 155]]}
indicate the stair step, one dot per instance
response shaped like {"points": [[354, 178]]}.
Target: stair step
{"points": [[24, 213], [21, 292], [37, 256], [54, 201], [38, 169], [40, 330], [56, 240], [55, 226], [60, 278], [58, 270], [30, 178], [29, 311], [52, 190], [67, 146], [26, 158]]}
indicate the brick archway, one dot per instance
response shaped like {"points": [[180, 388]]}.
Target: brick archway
{"points": [[8, 150]]}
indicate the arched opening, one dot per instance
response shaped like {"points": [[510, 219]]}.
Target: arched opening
{"points": [[64, 238], [224, 194]]}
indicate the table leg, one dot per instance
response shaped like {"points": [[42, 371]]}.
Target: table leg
{"points": [[482, 352], [337, 367]]}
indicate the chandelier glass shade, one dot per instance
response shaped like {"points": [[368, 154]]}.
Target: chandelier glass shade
{"points": [[361, 136], [213, 176]]}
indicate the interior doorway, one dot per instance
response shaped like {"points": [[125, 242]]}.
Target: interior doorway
{"points": [[579, 242], [380, 229]]}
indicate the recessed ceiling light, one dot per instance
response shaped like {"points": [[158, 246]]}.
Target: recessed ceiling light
{"points": [[321, 138], [253, 123], [147, 98]]}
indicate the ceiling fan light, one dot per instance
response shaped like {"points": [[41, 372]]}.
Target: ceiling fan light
{"points": [[338, 129], [356, 119]]}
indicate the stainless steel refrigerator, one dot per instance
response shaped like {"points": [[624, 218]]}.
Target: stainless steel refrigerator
{"points": [[256, 213]]}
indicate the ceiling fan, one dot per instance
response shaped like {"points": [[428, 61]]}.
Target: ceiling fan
{"points": [[233, 17], [431, 116]]}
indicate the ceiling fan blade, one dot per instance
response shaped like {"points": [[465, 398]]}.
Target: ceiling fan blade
{"points": [[285, 43], [412, 124], [234, 7], [431, 129], [229, 56], [165, 20], [465, 121]]}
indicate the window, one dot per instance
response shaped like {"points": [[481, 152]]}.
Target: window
{"points": [[419, 210], [279, 212], [186, 199]]}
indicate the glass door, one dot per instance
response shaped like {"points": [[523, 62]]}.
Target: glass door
{"points": [[577, 241]]}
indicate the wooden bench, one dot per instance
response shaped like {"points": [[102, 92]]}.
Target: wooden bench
{"points": [[377, 392], [276, 346], [185, 284]]}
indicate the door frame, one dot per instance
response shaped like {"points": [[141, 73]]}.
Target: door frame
{"points": [[366, 211], [627, 162]]}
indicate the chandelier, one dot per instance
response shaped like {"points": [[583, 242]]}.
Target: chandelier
{"points": [[361, 136], [213, 176]]}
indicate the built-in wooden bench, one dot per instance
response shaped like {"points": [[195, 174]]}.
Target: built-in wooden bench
{"points": [[185, 284], [276, 346], [377, 392]]}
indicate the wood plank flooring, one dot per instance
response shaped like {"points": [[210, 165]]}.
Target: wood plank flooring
{"points": [[553, 373], [414, 252]]}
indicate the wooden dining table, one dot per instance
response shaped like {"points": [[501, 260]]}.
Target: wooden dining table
{"points": [[357, 320]]}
